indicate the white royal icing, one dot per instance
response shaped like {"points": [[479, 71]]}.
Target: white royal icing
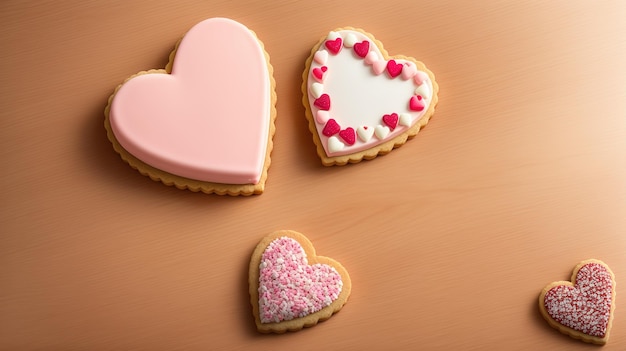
{"points": [[361, 92], [349, 40], [334, 144], [365, 134]]}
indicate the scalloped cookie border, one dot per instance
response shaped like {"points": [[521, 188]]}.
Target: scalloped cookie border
{"points": [[311, 319], [380, 149], [183, 183], [572, 282]]}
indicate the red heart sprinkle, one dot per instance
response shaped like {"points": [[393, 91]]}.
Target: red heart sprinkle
{"points": [[348, 135], [362, 48], [323, 102], [394, 68], [331, 128], [391, 120], [416, 103], [334, 45], [319, 72]]}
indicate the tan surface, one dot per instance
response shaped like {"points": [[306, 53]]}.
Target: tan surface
{"points": [[520, 175]]}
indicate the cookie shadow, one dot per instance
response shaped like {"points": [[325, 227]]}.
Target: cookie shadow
{"points": [[105, 165], [307, 158], [107, 168], [98, 155]]}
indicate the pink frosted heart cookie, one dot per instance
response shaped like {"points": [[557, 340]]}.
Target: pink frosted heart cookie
{"points": [[583, 307], [352, 81], [291, 287], [206, 121]]}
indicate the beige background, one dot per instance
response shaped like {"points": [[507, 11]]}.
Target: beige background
{"points": [[520, 175]]}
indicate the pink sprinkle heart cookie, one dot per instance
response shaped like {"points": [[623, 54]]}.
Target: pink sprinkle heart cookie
{"points": [[206, 121], [359, 89], [291, 287], [583, 307]]}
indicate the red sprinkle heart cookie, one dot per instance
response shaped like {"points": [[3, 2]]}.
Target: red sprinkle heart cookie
{"points": [[583, 307], [360, 102], [291, 287], [206, 121]]}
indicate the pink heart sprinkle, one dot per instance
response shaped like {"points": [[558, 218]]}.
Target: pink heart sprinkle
{"points": [[586, 306], [289, 287], [420, 77], [408, 71], [323, 102], [371, 57], [333, 45], [318, 73], [331, 128], [321, 57], [416, 103], [348, 135], [394, 69], [362, 48], [321, 116], [379, 66], [391, 120]]}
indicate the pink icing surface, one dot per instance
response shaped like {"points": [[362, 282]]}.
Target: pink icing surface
{"points": [[290, 288], [209, 119], [586, 306]]}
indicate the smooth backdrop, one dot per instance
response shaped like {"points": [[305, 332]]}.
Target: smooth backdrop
{"points": [[449, 239]]}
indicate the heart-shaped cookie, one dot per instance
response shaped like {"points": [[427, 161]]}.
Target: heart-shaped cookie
{"points": [[206, 121], [351, 82], [291, 287], [583, 307]]}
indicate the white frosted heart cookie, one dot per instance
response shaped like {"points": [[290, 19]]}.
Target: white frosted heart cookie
{"points": [[583, 307], [359, 101], [206, 121], [291, 287]]}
